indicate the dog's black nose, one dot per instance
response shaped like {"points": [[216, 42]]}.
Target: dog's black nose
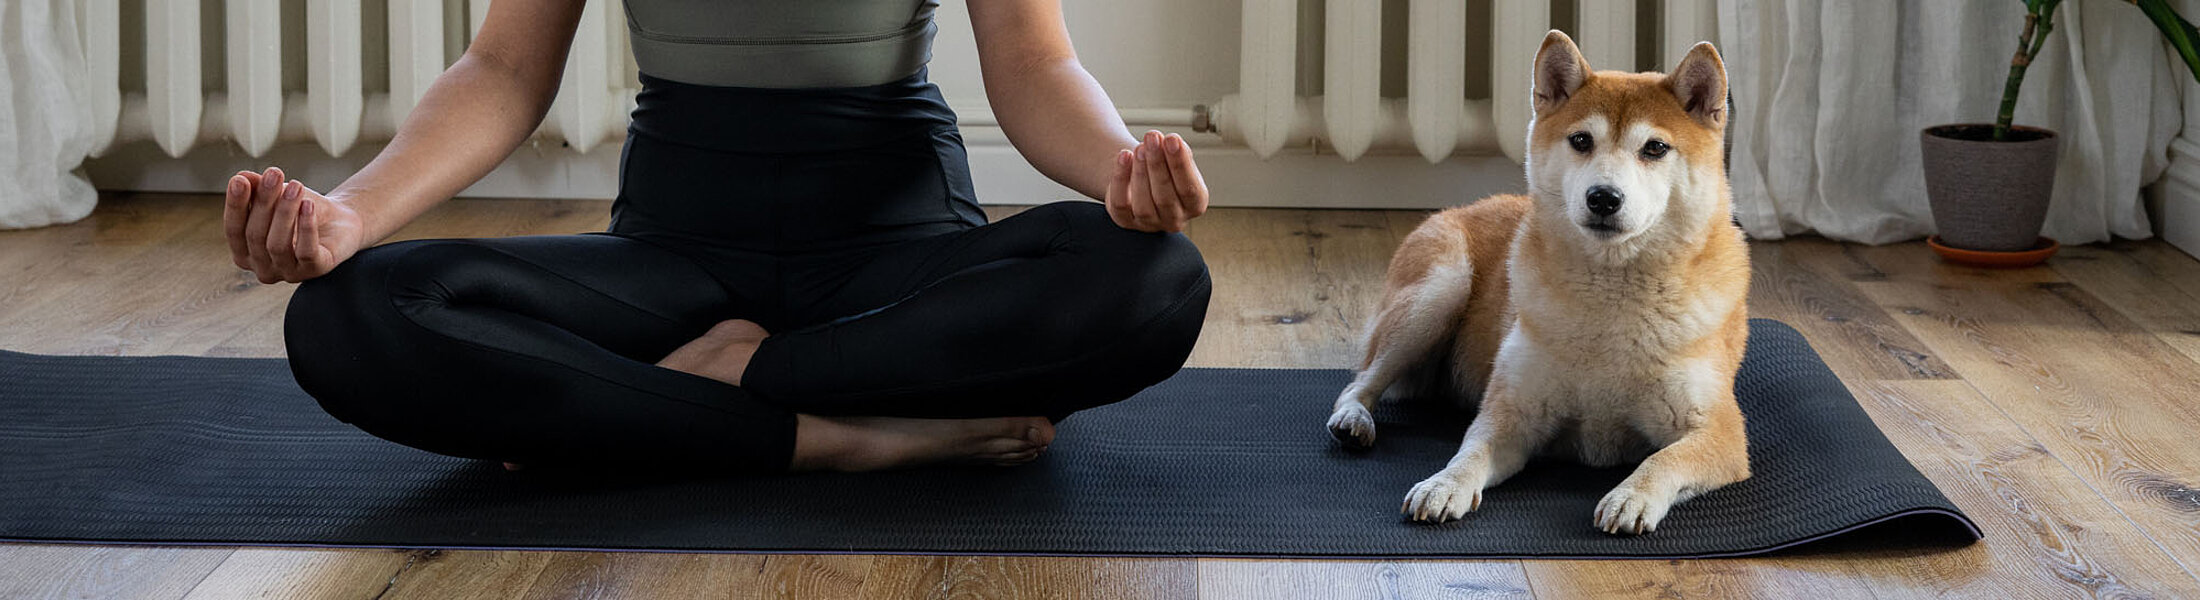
{"points": [[1604, 200]]}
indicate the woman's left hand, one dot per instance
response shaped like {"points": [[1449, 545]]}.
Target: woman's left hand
{"points": [[1156, 186]]}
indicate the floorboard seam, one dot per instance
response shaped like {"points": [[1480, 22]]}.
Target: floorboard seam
{"points": [[2082, 479]]}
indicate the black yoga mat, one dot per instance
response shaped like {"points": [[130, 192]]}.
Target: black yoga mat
{"points": [[1215, 462]]}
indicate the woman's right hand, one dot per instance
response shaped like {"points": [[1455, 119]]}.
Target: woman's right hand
{"points": [[282, 231]]}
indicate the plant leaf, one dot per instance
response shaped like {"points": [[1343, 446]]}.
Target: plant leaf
{"points": [[2179, 33]]}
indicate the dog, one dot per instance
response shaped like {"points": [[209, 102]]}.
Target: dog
{"points": [[1601, 317]]}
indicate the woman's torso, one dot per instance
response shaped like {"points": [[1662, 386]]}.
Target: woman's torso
{"points": [[781, 43], [789, 126]]}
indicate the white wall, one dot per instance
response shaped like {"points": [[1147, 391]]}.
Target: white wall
{"points": [[1147, 53]]}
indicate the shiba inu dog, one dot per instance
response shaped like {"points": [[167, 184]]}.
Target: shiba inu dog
{"points": [[1600, 317]]}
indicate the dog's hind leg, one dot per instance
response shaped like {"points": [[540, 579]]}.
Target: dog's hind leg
{"points": [[1413, 320]]}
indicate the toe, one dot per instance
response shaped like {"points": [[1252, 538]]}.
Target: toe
{"points": [[1629, 512], [1353, 427], [1008, 459], [1430, 500], [1462, 503], [1041, 432], [997, 446]]}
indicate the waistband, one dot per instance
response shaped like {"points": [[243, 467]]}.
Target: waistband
{"points": [[788, 120]]}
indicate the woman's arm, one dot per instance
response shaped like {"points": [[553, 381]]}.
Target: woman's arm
{"points": [[1062, 122], [472, 117], [467, 122]]}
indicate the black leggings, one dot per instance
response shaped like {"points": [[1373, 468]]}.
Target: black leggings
{"points": [[882, 292]]}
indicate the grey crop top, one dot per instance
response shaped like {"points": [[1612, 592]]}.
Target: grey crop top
{"points": [[781, 43]]}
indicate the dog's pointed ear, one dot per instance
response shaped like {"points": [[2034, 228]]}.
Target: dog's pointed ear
{"points": [[1700, 84], [1559, 71]]}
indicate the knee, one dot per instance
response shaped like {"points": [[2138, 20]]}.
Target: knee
{"points": [[1168, 261], [1165, 269], [1161, 276], [1174, 277], [355, 295], [367, 273], [342, 329], [1174, 330], [379, 282]]}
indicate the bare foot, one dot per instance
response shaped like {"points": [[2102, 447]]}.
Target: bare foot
{"points": [[874, 443], [722, 353]]}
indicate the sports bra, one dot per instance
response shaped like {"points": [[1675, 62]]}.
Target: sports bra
{"points": [[781, 43]]}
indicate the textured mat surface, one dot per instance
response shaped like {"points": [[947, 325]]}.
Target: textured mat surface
{"points": [[1215, 462]]}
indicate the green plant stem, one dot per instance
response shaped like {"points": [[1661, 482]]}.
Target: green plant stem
{"points": [[2038, 22]]}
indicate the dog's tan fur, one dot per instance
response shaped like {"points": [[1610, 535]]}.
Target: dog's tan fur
{"points": [[1606, 344]]}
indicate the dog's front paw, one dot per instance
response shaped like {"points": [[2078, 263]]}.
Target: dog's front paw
{"points": [[1442, 497], [1352, 425], [1630, 510]]}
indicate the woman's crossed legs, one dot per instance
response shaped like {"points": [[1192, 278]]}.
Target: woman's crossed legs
{"points": [[956, 347]]}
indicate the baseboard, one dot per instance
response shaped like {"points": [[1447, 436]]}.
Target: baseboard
{"points": [[1297, 178], [2179, 212], [534, 171], [2181, 217]]}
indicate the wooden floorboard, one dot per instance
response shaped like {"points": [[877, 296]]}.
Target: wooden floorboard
{"points": [[2053, 404], [70, 571], [474, 575], [301, 573], [2047, 529], [1856, 337], [2155, 286], [2096, 390], [646, 575], [1232, 579]]}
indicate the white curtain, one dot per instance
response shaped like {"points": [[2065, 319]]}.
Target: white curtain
{"points": [[1830, 95], [45, 121]]}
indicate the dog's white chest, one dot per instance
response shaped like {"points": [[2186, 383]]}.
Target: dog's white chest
{"points": [[1618, 370]]}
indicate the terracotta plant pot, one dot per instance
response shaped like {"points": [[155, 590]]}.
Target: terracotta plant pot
{"points": [[1989, 195]]}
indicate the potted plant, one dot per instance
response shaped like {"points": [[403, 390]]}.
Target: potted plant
{"points": [[1989, 184]]}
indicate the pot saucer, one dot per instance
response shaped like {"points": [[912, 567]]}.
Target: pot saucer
{"points": [[2038, 253]]}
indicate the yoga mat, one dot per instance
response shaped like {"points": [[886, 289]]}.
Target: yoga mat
{"points": [[1214, 462]]}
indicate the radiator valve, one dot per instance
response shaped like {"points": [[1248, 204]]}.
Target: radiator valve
{"points": [[1203, 120]]}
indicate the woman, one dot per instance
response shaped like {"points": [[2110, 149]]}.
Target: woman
{"points": [[796, 276]]}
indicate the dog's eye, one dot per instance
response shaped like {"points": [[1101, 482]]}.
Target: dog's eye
{"points": [[1581, 141], [1655, 150]]}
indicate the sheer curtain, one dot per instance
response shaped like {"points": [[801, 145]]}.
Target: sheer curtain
{"points": [[45, 124], [1830, 95]]}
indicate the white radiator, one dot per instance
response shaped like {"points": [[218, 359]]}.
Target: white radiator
{"points": [[253, 109], [1435, 117], [358, 66]]}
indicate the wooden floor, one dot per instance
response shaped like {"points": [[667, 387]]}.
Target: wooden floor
{"points": [[2056, 405]]}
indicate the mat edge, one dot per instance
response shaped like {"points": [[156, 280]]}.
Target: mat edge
{"points": [[1969, 526]]}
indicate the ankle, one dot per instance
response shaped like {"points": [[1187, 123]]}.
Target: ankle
{"points": [[737, 357], [821, 444], [722, 353], [742, 340]]}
